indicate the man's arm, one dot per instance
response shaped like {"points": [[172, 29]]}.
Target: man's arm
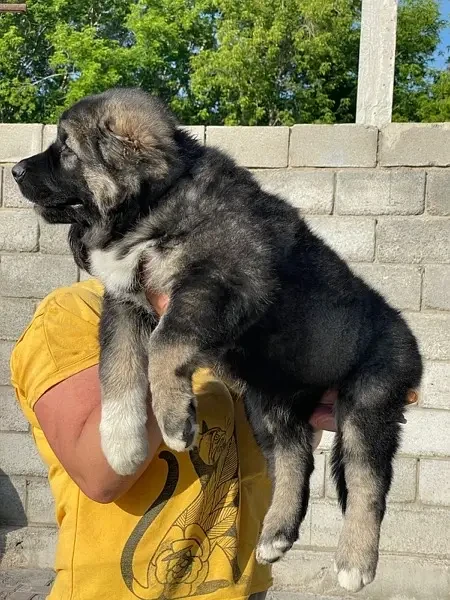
{"points": [[69, 414]]}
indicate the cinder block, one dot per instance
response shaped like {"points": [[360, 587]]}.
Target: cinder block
{"points": [[29, 547], [333, 146], [352, 238], [12, 198], [434, 482], [403, 488], [326, 442], [265, 147], [436, 287], [19, 141], [35, 276], [30, 578], [400, 285], [197, 131], [413, 240], [380, 192], [84, 276], [13, 492], [15, 314], [310, 191], [415, 145], [18, 455], [41, 506], [309, 575], [438, 192], [407, 529], [5, 353], [317, 482], [53, 238], [48, 135], [11, 417], [326, 523], [436, 385], [18, 230], [23, 595], [419, 530], [426, 433], [433, 333]]}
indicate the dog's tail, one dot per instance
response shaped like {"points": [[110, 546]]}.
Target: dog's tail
{"points": [[338, 472]]}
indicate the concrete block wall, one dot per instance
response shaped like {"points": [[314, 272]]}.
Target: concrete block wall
{"points": [[382, 200]]}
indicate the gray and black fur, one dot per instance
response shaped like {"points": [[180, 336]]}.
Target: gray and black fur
{"points": [[253, 293]]}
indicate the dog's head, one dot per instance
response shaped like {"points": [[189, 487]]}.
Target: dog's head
{"points": [[107, 146]]}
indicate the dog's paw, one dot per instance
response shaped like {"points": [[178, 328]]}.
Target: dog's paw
{"points": [[177, 420], [180, 433], [274, 542], [124, 445], [272, 548], [353, 579], [355, 566]]}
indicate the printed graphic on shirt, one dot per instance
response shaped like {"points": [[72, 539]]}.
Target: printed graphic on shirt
{"points": [[205, 531]]}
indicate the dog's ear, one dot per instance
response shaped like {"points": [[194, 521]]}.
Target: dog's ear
{"points": [[135, 136], [139, 136]]}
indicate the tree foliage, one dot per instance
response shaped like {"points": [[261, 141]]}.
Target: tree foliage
{"points": [[215, 61]]}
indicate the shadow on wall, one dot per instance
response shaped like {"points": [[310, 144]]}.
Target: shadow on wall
{"points": [[12, 511]]}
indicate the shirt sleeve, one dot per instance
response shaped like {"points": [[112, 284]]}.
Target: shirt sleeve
{"points": [[60, 341]]}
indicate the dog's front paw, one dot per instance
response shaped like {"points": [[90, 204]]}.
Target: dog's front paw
{"points": [[124, 444], [177, 419], [179, 428]]}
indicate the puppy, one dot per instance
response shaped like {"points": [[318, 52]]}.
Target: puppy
{"points": [[254, 294]]}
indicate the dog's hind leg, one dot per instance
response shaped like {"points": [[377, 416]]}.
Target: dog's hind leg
{"points": [[287, 446], [124, 332], [365, 445]]}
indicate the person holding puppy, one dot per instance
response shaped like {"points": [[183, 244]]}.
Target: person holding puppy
{"points": [[186, 524]]}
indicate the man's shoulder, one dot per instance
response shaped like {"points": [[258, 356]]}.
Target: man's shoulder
{"points": [[60, 340]]}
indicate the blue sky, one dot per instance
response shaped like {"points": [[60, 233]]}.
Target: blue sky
{"points": [[445, 41]]}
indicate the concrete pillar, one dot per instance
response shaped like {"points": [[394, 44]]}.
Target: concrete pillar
{"points": [[376, 62]]}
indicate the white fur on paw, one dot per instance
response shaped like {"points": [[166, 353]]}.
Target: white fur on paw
{"points": [[271, 551], [124, 447], [353, 579]]}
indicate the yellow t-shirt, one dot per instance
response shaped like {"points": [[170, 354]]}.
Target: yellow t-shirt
{"points": [[188, 527]]}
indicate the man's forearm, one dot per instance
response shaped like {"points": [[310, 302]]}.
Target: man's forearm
{"points": [[94, 476]]}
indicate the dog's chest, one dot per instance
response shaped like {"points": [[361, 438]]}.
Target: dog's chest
{"points": [[146, 265]]}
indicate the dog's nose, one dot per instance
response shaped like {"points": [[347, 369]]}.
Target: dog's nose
{"points": [[19, 170]]}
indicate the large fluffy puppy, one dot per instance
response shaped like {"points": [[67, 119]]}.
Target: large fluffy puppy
{"points": [[253, 293]]}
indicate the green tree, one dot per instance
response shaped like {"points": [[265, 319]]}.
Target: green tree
{"points": [[61, 50], [435, 104], [214, 61], [279, 62], [419, 27], [56, 49]]}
